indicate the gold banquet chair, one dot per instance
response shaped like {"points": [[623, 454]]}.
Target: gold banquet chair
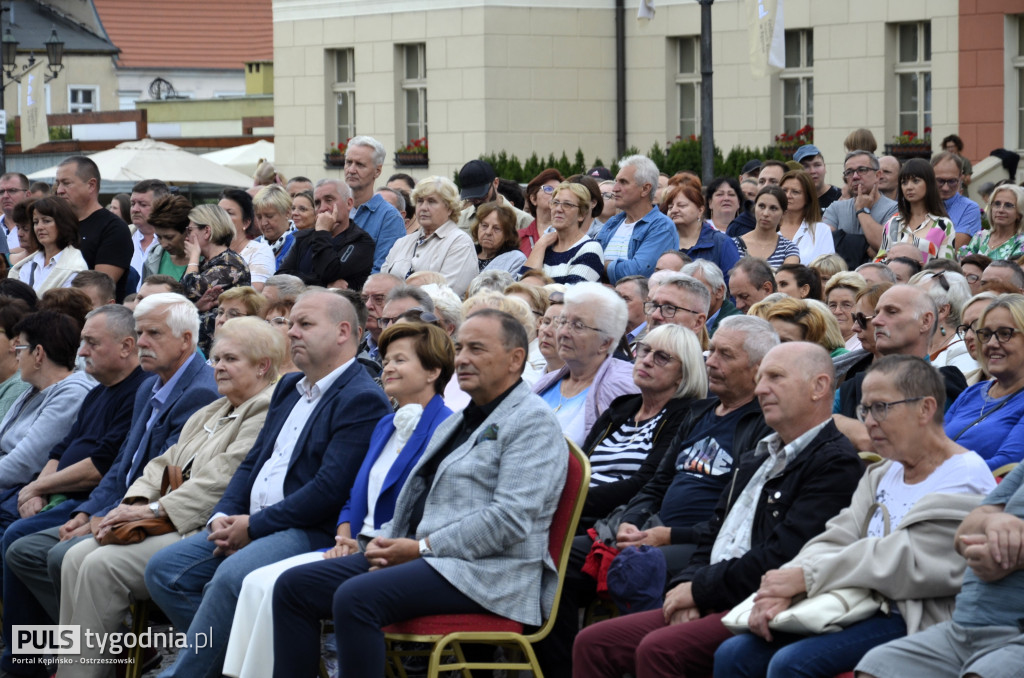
{"points": [[447, 633]]}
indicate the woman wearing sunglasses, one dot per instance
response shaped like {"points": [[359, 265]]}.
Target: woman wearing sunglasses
{"points": [[988, 417]]}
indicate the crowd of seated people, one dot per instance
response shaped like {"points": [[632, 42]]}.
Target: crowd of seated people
{"points": [[354, 400]]}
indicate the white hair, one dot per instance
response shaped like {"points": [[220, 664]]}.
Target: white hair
{"points": [[759, 335], [688, 283], [646, 171], [379, 154], [447, 305], [610, 312], [709, 270], [182, 315], [344, 192]]}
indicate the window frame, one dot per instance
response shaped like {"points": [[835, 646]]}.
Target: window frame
{"points": [[78, 108], [409, 87], [342, 85], [683, 80], [803, 75], [922, 68]]}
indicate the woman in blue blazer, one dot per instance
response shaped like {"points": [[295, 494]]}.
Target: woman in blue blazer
{"points": [[419, 359]]}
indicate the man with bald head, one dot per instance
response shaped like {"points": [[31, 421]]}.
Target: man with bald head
{"points": [[905, 319], [800, 475], [285, 496]]}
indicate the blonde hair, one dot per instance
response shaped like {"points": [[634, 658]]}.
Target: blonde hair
{"points": [[514, 306], [257, 341], [443, 188], [274, 197]]}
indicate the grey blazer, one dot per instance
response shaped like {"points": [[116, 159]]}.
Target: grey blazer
{"points": [[489, 510]]}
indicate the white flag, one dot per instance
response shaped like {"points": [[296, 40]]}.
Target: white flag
{"points": [[33, 110], [645, 12], [767, 36]]}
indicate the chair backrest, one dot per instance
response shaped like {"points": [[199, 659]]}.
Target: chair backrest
{"points": [[563, 524]]}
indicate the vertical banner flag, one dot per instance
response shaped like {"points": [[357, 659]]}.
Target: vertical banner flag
{"points": [[767, 36], [645, 12], [33, 109]]}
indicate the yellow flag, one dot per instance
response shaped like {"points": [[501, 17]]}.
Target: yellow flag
{"points": [[33, 109], [767, 36]]}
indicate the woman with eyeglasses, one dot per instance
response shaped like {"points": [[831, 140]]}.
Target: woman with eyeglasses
{"points": [[538, 198], [764, 242], [547, 341], [801, 222], [863, 327], [419, 360], [568, 255], [278, 314], [806, 320], [102, 578], [629, 439], [587, 332], [950, 292], [973, 309], [921, 219], [1003, 239], [303, 212], [988, 417], [895, 537], [238, 302], [212, 266], [973, 265]]}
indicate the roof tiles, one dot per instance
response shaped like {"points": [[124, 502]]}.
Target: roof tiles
{"points": [[216, 34]]}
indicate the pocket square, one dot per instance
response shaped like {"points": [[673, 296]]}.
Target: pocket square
{"points": [[489, 433]]}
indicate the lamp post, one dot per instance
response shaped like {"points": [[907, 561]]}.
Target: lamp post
{"points": [[54, 57], [707, 123]]}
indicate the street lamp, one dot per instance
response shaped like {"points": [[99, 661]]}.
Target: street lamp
{"points": [[54, 55]]}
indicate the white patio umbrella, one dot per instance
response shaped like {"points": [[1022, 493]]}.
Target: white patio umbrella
{"points": [[243, 158], [134, 161]]}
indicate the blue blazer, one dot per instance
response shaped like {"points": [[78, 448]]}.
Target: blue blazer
{"points": [[195, 389], [323, 466], [355, 509]]}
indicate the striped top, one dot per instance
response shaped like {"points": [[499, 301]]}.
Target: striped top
{"points": [[623, 451], [583, 262]]}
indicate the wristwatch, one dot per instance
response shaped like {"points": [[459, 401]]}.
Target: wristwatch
{"points": [[863, 210], [155, 508], [425, 549]]}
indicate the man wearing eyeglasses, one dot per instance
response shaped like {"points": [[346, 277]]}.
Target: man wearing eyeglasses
{"points": [[866, 212], [679, 300], [13, 189], [905, 319], [963, 212]]}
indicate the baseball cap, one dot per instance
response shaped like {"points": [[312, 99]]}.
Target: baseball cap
{"points": [[806, 151], [600, 173], [475, 177], [751, 166]]}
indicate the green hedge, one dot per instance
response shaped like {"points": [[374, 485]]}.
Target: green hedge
{"points": [[683, 154]]}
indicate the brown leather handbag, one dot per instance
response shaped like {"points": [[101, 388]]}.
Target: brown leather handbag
{"points": [[134, 531]]}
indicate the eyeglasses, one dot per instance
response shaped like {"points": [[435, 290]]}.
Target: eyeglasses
{"points": [[544, 321], [948, 182], [564, 204], [575, 326], [230, 313], [667, 310], [840, 306], [661, 358], [880, 411], [608, 196], [15, 191], [21, 347], [197, 227], [861, 319], [972, 278], [547, 189], [962, 330], [420, 314], [1002, 334], [280, 321], [941, 277], [996, 205], [858, 170]]}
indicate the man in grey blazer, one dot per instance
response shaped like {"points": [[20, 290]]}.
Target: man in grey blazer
{"points": [[470, 529]]}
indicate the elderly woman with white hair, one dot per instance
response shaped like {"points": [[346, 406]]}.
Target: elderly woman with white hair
{"points": [[951, 292], [271, 208], [438, 244], [589, 329]]}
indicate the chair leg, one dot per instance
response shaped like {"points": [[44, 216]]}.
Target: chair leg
{"points": [[140, 620]]}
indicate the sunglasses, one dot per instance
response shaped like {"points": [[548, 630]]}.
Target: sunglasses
{"points": [[862, 320]]}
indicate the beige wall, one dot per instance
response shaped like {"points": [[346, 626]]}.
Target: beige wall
{"points": [[542, 78], [80, 71]]}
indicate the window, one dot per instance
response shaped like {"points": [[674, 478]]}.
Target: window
{"points": [[914, 76], [83, 99], [1018, 68], [342, 69], [688, 86], [413, 86], [798, 81]]}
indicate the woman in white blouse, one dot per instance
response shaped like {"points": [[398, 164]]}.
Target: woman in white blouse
{"points": [[58, 260], [801, 222], [258, 255], [438, 244]]}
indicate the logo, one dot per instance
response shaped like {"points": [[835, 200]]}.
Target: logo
{"points": [[47, 639]]}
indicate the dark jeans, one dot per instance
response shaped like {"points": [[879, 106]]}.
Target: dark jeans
{"points": [[361, 603]]}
